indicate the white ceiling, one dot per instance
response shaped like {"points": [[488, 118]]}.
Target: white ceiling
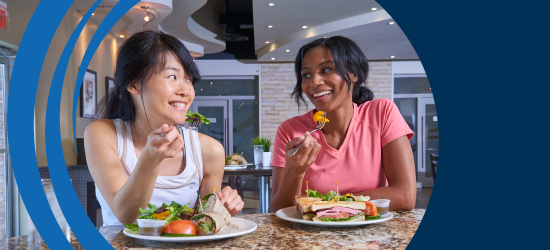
{"points": [[324, 18]]}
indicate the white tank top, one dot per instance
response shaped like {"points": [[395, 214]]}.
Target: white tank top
{"points": [[181, 188]]}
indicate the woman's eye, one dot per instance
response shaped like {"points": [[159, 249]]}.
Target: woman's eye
{"points": [[172, 76], [325, 70], [306, 75], [189, 80]]}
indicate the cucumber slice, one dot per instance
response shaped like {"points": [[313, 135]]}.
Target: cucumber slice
{"points": [[373, 217]]}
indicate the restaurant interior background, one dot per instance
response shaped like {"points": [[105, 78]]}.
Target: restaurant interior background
{"points": [[246, 84]]}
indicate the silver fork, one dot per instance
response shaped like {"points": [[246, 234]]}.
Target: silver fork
{"points": [[320, 125], [194, 125]]}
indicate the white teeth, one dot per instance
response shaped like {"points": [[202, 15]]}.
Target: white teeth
{"points": [[321, 94], [178, 104]]}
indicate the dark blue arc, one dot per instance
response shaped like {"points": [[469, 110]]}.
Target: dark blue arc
{"points": [[20, 117], [82, 227], [110, 20]]}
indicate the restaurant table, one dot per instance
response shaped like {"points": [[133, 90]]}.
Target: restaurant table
{"points": [[263, 174], [272, 233]]}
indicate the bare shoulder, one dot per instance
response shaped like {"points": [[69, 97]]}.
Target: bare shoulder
{"points": [[100, 133], [211, 147]]}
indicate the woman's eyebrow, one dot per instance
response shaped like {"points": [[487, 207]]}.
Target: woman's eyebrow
{"points": [[171, 68], [329, 61]]}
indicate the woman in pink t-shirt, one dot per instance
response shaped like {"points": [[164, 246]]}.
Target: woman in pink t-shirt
{"points": [[364, 146]]}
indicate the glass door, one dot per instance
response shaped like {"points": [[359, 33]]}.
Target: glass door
{"points": [[429, 134], [216, 112], [6, 220]]}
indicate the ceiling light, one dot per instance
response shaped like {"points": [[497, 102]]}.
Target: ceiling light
{"points": [[121, 35], [210, 83], [304, 27], [287, 50], [392, 56], [273, 58], [270, 26], [391, 23], [266, 41], [373, 9], [271, 4], [93, 14], [146, 18]]}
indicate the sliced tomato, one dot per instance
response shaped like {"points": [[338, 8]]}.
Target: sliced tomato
{"points": [[370, 210]]}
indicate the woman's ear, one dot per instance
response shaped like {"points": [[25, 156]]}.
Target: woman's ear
{"points": [[353, 77], [133, 88]]}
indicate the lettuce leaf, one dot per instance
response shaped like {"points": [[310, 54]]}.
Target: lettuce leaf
{"points": [[203, 119], [330, 195], [132, 227], [342, 219], [314, 193]]}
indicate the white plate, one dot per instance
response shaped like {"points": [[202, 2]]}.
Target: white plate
{"points": [[292, 214], [236, 166], [237, 227]]}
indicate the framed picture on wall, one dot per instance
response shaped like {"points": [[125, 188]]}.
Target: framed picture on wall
{"points": [[109, 85], [88, 95]]}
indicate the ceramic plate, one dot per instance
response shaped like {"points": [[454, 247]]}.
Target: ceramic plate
{"points": [[292, 214], [237, 227], [236, 166]]}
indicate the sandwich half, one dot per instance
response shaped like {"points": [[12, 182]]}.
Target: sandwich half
{"points": [[304, 205], [343, 211]]}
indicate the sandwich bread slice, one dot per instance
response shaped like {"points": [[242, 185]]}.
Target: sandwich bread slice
{"points": [[304, 205]]}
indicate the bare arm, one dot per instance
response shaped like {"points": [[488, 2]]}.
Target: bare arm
{"points": [[398, 162], [213, 159], [125, 195], [293, 172]]}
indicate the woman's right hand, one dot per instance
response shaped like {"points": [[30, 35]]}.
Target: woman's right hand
{"points": [[306, 155], [165, 142]]}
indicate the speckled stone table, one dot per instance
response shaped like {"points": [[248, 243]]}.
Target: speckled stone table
{"points": [[272, 233]]}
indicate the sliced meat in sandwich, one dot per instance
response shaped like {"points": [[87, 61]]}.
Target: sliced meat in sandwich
{"points": [[343, 211], [304, 205]]}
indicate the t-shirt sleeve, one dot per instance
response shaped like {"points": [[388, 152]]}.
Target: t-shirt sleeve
{"points": [[279, 144], [393, 125]]}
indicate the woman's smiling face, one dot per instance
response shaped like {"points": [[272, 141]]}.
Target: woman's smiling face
{"points": [[167, 95], [322, 84]]}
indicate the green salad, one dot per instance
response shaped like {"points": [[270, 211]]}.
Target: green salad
{"points": [[194, 116]]}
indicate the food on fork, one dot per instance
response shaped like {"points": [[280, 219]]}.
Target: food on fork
{"points": [[318, 116], [235, 159], [196, 116]]}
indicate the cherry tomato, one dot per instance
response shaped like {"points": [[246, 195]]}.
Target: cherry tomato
{"points": [[180, 227]]}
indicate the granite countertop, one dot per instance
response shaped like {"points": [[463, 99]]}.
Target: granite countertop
{"points": [[272, 233]]}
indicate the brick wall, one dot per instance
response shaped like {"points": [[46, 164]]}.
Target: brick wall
{"points": [[278, 81]]}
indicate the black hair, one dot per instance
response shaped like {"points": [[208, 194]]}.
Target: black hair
{"points": [[347, 58], [141, 56]]}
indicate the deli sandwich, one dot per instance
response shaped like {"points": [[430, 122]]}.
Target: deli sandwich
{"points": [[330, 211]]}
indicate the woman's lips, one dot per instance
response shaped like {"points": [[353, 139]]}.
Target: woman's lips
{"points": [[321, 96], [178, 105]]}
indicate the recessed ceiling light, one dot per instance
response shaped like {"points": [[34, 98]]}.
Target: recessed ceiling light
{"points": [[266, 41], [325, 37], [391, 23], [287, 50], [392, 56], [304, 27], [93, 14], [270, 26], [121, 35], [273, 58], [271, 4], [373, 9]]}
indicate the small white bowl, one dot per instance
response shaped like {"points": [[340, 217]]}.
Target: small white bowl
{"points": [[382, 205], [151, 227]]}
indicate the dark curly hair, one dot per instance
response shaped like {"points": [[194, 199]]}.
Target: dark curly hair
{"points": [[347, 58]]}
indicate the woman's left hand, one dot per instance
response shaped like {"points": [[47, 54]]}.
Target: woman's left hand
{"points": [[231, 200]]}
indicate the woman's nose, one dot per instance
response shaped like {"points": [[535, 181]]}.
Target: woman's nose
{"points": [[183, 90], [317, 80]]}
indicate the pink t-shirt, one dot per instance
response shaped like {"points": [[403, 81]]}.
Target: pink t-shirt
{"points": [[357, 165]]}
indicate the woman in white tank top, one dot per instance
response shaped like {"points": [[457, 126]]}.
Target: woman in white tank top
{"points": [[136, 154]]}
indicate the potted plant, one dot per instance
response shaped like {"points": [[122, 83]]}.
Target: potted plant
{"points": [[267, 144]]}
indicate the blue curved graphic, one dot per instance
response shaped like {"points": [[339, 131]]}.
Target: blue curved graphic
{"points": [[20, 117], [83, 229], [110, 20]]}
